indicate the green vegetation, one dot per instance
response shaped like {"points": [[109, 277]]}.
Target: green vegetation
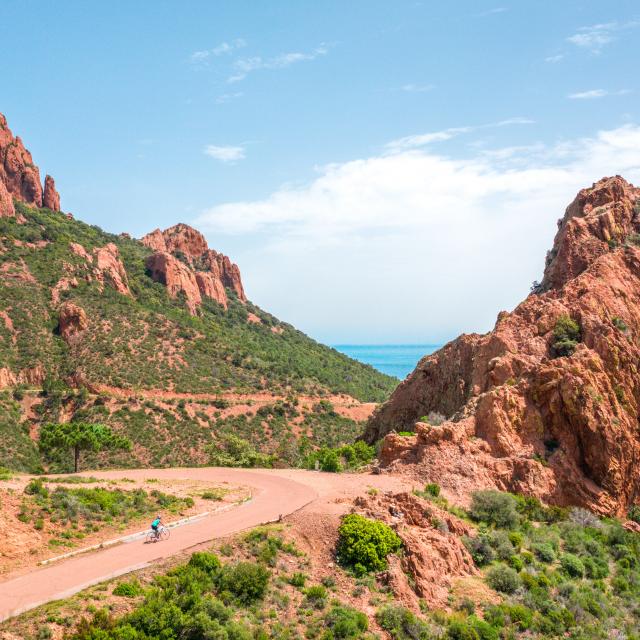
{"points": [[80, 511], [566, 336], [346, 457], [364, 544], [146, 341], [494, 508], [18, 451], [79, 436]]}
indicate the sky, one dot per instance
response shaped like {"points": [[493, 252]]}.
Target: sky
{"points": [[382, 172]]}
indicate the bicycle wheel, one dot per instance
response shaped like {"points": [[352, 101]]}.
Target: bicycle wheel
{"points": [[150, 537], [164, 534]]}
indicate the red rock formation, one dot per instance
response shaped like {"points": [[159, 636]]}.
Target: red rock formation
{"points": [[51, 198], [213, 271], [562, 428], [6, 202], [72, 320], [108, 266], [19, 175], [176, 276], [433, 548]]}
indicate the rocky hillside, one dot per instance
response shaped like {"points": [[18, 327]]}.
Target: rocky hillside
{"points": [[86, 315], [547, 403]]}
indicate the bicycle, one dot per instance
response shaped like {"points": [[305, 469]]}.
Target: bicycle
{"points": [[162, 534]]}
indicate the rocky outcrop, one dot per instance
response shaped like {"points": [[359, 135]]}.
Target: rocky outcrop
{"points": [[433, 550], [176, 277], [212, 272], [7, 209], [19, 176], [109, 267], [51, 198], [72, 320], [520, 418]]}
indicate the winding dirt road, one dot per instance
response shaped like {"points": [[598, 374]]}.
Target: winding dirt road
{"points": [[274, 494]]}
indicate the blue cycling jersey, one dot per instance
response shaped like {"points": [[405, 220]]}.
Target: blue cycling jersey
{"points": [[155, 523]]}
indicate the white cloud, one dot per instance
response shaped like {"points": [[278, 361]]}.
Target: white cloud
{"points": [[413, 245], [417, 88], [423, 139], [596, 36], [227, 97], [244, 66], [596, 93], [225, 154], [554, 59], [219, 50]]}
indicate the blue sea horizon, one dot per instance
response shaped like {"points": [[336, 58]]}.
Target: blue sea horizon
{"points": [[397, 360]]}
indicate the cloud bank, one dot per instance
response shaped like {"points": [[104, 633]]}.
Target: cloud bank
{"points": [[413, 245]]}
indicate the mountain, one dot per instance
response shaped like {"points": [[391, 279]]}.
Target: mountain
{"points": [[155, 337], [547, 403]]}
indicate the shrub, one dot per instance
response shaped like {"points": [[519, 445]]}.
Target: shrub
{"points": [[345, 622], [208, 562], [584, 518], [432, 489], [480, 549], [316, 596], [634, 513], [494, 507], [5, 474], [247, 581], [297, 579], [402, 624], [571, 565], [543, 551], [503, 579], [461, 630], [128, 589], [566, 335], [364, 544]]}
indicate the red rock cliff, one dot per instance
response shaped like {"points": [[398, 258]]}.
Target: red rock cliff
{"points": [[183, 262], [565, 429], [20, 177]]}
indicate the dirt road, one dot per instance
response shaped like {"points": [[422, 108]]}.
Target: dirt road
{"points": [[275, 494]]}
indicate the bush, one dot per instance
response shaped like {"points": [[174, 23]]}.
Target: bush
{"points": [[566, 336], [402, 624], [128, 589], [208, 562], [36, 488], [503, 579], [634, 513], [543, 551], [432, 489], [316, 596], [345, 622], [480, 549], [364, 544], [297, 579], [494, 507], [247, 581], [571, 565]]}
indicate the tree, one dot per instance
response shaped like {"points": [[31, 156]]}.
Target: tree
{"points": [[80, 436]]}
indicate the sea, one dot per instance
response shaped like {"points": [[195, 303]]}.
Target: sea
{"points": [[397, 360]]}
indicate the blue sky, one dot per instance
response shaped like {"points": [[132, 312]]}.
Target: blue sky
{"points": [[381, 171]]}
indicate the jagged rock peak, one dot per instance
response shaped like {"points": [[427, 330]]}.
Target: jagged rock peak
{"points": [[20, 177], [527, 407], [599, 219], [206, 272]]}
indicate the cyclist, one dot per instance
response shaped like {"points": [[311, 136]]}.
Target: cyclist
{"points": [[155, 525]]}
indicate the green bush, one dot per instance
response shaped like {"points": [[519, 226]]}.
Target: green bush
{"points": [[297, 579], [503, 579], [494, 507], [566, 336], [571, 565], [480, 549], [345, 623], [128, 589], [364, 544], [432, 489], [208, 562], [247, 581], [543, 551], [402, 624], [316, 596]]}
